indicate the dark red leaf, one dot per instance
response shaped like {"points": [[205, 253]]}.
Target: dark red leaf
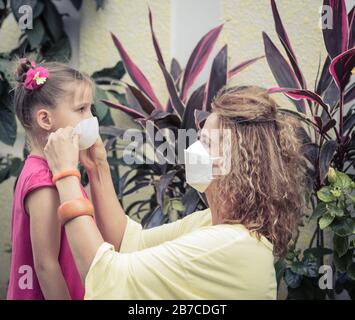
{"points": [[351, 18], [140, 98], [336, 38], [175, 100], [198, 59], [200, 118], [283, 73], [285, 41], [240, 67], [326, 155], [133, 113], [341, 68], [300, 94], [195, 102], [136, 74], [217, 79], [155, 41], [175, 69]]}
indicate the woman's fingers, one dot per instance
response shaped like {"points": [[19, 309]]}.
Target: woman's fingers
{"points": [[62, 150]]}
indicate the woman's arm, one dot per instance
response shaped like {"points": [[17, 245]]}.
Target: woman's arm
{"points": [[109, 214], [42, 207], [110, 217]]}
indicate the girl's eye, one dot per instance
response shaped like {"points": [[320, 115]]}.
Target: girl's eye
{"points": [[82, 109]]}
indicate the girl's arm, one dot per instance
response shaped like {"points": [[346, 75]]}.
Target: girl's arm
{"points": [[82, 233], [62, 153], [42, 207]]}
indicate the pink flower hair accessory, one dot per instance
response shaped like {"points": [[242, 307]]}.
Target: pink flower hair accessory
{"points": [[35, 77]]}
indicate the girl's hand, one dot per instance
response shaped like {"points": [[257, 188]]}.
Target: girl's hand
{"points": [[62, 150], [94, 156]]}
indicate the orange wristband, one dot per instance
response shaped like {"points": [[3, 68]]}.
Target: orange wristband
{"points": [[64, 174], [74, 208]]}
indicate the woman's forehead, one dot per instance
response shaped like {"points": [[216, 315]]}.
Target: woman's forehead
{"points": [[212, 122]]}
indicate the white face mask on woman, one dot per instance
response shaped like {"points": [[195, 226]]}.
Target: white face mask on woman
{"points": [[88, 131], [198, 166]]}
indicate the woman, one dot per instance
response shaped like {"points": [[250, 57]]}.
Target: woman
{"points": [[224, 252]]}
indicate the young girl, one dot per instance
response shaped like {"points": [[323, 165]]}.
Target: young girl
{"points": [[47, 97]]}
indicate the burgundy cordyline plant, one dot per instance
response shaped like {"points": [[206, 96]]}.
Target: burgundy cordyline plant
{"points": [[328, 112]]}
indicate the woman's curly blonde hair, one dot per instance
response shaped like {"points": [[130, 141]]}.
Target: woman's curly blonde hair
{"points": [[265, 187]]}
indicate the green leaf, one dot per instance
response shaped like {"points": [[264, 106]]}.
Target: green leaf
{"points": [[336, 192], [292, 279], [54, 22], [325, 221], [177, 205], [36, 35], [325, 195], [16, 166], [59, 51], [101, 109], [317, 252], [343, 181], [8, 126], [77, 4], [344, 227], [6, 66], [116, 72], [351, 270], [280, 267], [342, 263], [298, 267], [341, 245], [319, 211], [334, 210], [5, 173], [100, 4], [16, 4]]}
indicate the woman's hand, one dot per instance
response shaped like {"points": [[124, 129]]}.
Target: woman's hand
{"points": [[62, 150], [94, 156]]}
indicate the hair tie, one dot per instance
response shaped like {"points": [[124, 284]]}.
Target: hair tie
{"points": [[35, 77]]}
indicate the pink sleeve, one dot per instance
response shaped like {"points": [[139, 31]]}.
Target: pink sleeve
{"points": [[40, 179]]}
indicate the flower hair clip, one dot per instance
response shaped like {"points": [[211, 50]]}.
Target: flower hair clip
{"points": [[35, 77]]}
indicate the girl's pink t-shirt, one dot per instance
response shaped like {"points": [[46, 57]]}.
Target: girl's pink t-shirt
{"points": [[23, 282]]}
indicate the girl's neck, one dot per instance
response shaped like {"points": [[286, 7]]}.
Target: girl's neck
{"points": [[37, 150]]}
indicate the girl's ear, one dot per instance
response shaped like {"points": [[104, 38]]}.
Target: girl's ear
{"points": [[44, 119]]}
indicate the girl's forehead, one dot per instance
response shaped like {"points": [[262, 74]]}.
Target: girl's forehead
{"points": [[80, 92]]}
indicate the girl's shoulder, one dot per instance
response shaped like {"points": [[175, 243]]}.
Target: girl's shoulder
{"points": [[35, 173]]}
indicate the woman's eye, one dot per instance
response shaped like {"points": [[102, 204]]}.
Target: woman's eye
{"points": [[82, 109]]}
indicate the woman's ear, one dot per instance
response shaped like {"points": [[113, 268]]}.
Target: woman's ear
{"points": [[44, 119]]}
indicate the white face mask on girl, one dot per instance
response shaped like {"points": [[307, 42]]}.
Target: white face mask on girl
{"points": [[198, 166], [88, 131]]}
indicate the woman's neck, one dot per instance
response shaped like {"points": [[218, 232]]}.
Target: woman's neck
{"points": [[213, 206]]}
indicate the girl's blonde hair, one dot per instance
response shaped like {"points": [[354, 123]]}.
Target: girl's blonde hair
{"points": [[49, 94], [264, 190]]}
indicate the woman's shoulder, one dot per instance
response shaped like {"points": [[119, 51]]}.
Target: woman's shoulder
{"points": [[211, 239]]}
